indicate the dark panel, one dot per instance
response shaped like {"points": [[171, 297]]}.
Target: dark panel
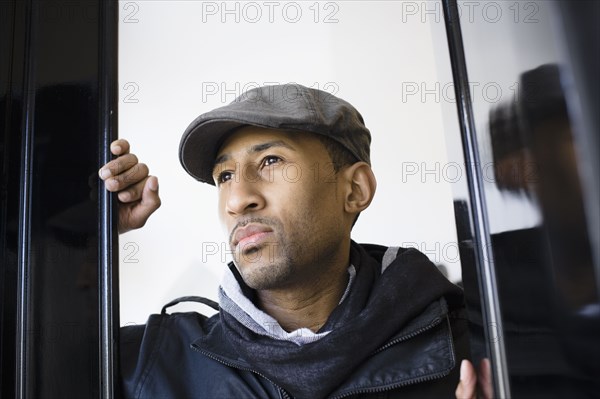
{"points": [[108, 259], [534, 127], [58, 91], [11, 55]]}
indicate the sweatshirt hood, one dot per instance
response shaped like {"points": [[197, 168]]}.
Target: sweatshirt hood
{"points": [[396, 291]]}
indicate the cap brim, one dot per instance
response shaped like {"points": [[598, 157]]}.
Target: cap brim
{"points": [[200, 143], [286, 107]]}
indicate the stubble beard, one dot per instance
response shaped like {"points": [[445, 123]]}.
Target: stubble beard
{"points": [[270, 265], [288, 260]]}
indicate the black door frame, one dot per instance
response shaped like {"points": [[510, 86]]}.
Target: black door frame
{"points": [[59, 270]]}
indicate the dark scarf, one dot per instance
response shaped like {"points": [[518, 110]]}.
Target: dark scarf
{"points": [[377, 308]]}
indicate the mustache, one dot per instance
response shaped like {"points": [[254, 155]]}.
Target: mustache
{"points": [[260, 220]]}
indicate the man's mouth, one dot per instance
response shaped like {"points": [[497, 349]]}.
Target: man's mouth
{"points": [[250, 235]]}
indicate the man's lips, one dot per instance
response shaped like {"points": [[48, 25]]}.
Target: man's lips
{"points": [[250, 234]]}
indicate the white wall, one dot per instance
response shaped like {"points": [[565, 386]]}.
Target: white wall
{"points": [[171, 52]]}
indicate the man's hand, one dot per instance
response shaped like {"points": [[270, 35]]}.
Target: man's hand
{"points": [[137, 190], [467, 387]]}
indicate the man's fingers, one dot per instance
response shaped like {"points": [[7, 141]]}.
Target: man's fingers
{"points": [[468, 381], [133, 192], [150, 198], [120, 147], [118, 166], [125, 180], [149, 203], [137, 190], [136, 174], [153, 184], [135, 215]]}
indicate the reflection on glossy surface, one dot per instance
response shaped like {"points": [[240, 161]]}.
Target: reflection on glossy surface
{"points": [[550, 298], [542, 163], [48, 241], [546, 273]]}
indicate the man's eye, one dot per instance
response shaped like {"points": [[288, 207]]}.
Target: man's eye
{"points": [[270, 160], [224, 177]]}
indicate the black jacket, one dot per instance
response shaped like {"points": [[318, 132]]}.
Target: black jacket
{"points": [[399, 333]]}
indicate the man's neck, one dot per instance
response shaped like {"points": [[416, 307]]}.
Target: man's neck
{"points": [[306, 306]]}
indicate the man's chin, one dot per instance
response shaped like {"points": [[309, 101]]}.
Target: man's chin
{"points": [[253, 254], [260, 275]]}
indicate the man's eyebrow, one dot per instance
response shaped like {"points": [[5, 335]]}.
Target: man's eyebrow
{"points": [[270, 144], [222, 158], [254, 149]]}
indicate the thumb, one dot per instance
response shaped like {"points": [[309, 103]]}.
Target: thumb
{"points": [[468, 381], [149, 203], [150, 200]]}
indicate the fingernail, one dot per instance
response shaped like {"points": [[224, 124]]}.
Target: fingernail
{"points": [[104, 173], [111, 184], [123, 196], [153, 184], [463, 369], [116, 149]]}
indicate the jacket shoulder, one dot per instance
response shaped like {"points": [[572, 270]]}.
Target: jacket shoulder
{"points": [[141, 345], [159, 361]]}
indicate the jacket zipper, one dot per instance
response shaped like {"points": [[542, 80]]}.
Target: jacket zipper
{"points": [[286, 395], [394, 386], [282, 391], [435, 322]]}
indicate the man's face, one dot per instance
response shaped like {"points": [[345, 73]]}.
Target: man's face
{"points": [[281, 205]]}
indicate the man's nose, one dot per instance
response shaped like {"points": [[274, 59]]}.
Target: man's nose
{"points": [[244, 195]]}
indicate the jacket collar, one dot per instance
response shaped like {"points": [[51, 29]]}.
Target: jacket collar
{"points": [[385, 313]]}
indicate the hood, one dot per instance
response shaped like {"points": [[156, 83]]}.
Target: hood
{"points": [[396, 293]]}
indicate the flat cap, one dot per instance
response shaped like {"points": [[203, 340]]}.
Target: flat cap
{"points": [[290, 107]]}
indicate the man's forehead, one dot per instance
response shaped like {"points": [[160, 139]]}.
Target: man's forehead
{"points": [[250, 140], [254, 139]]}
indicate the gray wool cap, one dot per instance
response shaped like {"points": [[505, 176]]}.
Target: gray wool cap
{"points": [[289, 107]]}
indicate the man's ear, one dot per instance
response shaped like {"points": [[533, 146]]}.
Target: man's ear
{"points": [[360, 187]]}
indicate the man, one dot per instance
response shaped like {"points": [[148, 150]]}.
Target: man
{"points": [[305, 312]]}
